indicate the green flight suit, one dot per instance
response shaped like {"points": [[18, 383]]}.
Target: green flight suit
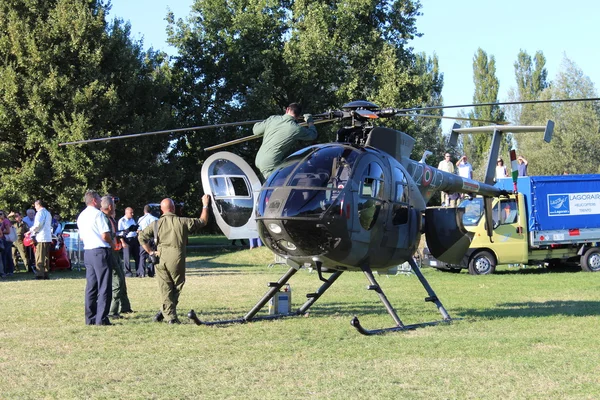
{"points": [[280, 133], [18, 247], [120, 300], [173, 232]]}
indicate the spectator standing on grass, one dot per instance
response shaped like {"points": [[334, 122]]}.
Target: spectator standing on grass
{"points": [[143, 223], [42, 229], [95, 234], [18, 247], [120, 301], [172, 233], [131, 245], [29, 219], [6, 227]]}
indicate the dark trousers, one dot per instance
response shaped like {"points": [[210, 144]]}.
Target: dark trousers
{"points": [[149, 267], [7, 259], [98, 288], [132, 250]]}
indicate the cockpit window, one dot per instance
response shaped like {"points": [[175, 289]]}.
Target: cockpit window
{"points": [[327, 167], [317, 179]]}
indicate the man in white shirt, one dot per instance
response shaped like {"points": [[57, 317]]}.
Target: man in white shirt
{"points": [[131, 245], [465, 169], [42, 230], [446, 165], [144, 222], [95, 234]]}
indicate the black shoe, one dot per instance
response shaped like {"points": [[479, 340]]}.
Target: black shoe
{"points": [[39, 278], [106, 322], [174, 321], [130, 311], [114, 316], [159, 317]]}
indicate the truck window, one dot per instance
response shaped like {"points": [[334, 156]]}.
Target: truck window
{"points": [[508, 212], [473, 211]]}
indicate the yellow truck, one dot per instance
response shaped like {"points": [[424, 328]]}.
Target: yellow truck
{"points": [[550, 221]]}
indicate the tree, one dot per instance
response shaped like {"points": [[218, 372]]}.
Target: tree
{"points": [[65, 75], [486, 91], [577, 131], [531, 77], [246, 59]]}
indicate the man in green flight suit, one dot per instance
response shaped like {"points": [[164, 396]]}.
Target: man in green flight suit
{"points": [[120, 300], [280, 133], [172, 236]]}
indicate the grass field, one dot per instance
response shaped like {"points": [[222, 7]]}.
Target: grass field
{"points": [[523, 334]]}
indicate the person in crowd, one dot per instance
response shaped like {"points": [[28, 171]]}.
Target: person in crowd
{"points": [[465, 169], [255, 242], [280, 134], [42, 230], [57, 226], [522, 166], [18, 247], [29, 217], [29, 220], [120, 300], [131, 245], [172, 234], [501, 169], [446, 165], [95, 234], [7, 241], [143, 223]]}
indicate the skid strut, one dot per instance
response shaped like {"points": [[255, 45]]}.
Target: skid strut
{"points": [[274, 287], [432, 297]]}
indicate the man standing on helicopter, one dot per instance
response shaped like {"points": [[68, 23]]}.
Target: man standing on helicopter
{"points": [[280, 133]]}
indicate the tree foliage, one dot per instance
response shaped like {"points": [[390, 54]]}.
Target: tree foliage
{"points": [[574, 146], [65, 75], [248, 59]]}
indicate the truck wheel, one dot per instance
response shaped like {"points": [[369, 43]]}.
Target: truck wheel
{"points": [[482, 263], [590, 261]]}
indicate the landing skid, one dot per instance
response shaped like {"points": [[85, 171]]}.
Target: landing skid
{"points": [[399, 325], [274, 287]]}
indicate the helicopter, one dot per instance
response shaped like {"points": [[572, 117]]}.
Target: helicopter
{"points": [[358, 204]]}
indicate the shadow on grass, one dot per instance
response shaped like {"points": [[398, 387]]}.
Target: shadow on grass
{"points": [[54, 275], [532, 309], [537, 271]]}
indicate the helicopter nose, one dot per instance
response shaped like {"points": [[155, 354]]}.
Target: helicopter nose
{"points": [[296, 237]]}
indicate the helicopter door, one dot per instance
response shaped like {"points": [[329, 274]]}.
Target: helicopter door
{"points": [[234, 188], [371, 186]]}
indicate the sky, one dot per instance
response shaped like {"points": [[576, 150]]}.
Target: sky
{"points": [[453, 30]]}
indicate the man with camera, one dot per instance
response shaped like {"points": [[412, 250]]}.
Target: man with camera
{"points": [[171, 233], [129, 240]]}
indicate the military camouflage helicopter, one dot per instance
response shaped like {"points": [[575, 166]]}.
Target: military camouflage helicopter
{"points": [[356, 204]]}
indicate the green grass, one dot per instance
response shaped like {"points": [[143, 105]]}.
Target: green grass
{"points": [[523, 334]]}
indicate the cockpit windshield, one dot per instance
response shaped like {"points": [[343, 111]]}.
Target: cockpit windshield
{"points": [[317, 180], [473, 211]]}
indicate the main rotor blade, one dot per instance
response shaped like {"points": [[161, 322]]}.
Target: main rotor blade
{"points": [[456, 118], [252, 137], [195, 128], [505, 103]]}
